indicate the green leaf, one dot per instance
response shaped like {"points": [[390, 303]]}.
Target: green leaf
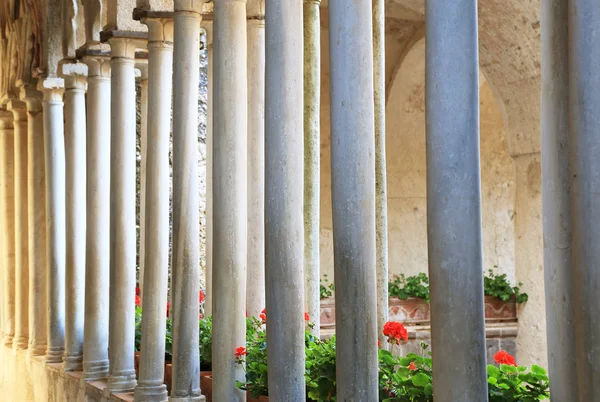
{"points": [[421, 380]]}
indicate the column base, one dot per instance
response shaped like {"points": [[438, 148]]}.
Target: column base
{"points": [[37, 349], [95, 370], [200, 398], [54, 355], [151, 393], [73, 363], [124, 382], [20, 342], [8, 339]]}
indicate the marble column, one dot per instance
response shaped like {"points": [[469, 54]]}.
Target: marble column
{"points": [[75, 150], [21, 339], [454, 201], [312, 159], [229, 196], [54, 146], [556, 204], [160, 80], [122, 216], [284, 223], [209, 171], [143, 170], [97, 256], [353, 198], [7, 194], [584, 149], [36, 210], [185, 281], [255, 293]]}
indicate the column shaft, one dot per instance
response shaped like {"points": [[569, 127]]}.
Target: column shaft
{"points": [[143, 170], [584, 101], [454, 201], [97, 273], [122, 217], [186, 201], [160, 79], [353, 198], [284, 229], [7, 194], [209, 175], [255, 293], [312, 159]]}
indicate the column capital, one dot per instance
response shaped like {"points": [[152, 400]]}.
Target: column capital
{"points": [[75, 75], [160, 31], [193, 6], [32, 98], [125, 47], [6, 120], [52, 88], [18, 109], [98, 66], [255, 10]]}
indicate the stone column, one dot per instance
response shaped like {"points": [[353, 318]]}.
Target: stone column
{"points": [[229, 196], [209, 170], [36, 203], [7, 194], [353, 198], [75, 149], [143, 170], [584, 101], [284, 223], [454, 201], [54, 145], [255, 293], [312, 159], [160, 79], [122, 216], [21, 339], [98, 127], [186, 201]]}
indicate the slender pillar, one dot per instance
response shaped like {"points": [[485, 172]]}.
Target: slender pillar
{"points": [[312, 159], [75, 149], [185, 281], [454, 201], [36, 210], [7, 194], [21, 339], [209, 171], [584, 101], [143, 170], [556, 193], [122, 216], [160, 78], [284, 229], [54, 145], [97, 256], [255, 293], [381, 229], [353, 198]]}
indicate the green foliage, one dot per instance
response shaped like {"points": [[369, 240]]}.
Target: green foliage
{"points": [[169, 339], [256, 359], [205, 327], [405, 379], [138, 328], [412, 286], [498, 286], [320, 369], [509, 383], [325, 290]]}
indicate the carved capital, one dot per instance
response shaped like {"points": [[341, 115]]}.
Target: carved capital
{"points": [[160, 31], [75, 75], [18, 109], [125, 47], [194, 6], [98, 66], [32, 98], [52, 88], [6, 120]]}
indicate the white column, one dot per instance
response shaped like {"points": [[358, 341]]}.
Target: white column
{"points": [[97, 256], [185, 281], [160, 79], [7, 194], [75, 150], [255, 293], [54, 146], [36, 202], [143, 170], [209, 171], [21, 341], [312, 159], [122, 216], [353, 196], [284, 229], [229, 195]]}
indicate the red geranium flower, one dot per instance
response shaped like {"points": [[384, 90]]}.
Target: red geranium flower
{"points": [[138, 301], [168, 308], [379, 344], [263, 315], [503, 357], [412, 366], [239, 352], [201, 296], [137, 291], [306, 316], [395, 332]]}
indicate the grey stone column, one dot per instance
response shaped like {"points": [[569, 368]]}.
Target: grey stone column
{"points": [[186, 200], [122, 216], [454, 201], [230, 223], [284, 221], [7, 195], [556, 204], [21, 339], [381, 225], [54, 146], [312, 159], [97, 274], [36, 207], [353, 198], [160, 80], [584, 149], [75, 150], [255, 285], [209, 171], [143, 170]]}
